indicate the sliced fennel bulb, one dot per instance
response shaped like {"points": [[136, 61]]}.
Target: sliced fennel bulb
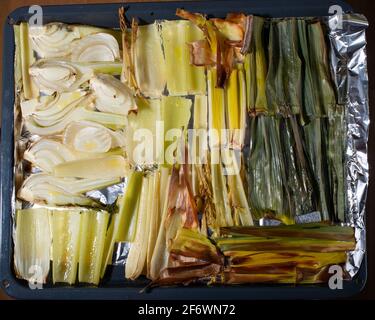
{"points": [[111, 95]]}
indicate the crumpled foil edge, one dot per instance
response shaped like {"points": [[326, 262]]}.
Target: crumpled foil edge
{"points": [[349, 69]]}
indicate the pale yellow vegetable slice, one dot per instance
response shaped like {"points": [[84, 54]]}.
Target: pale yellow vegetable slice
{"points": [[32, 245], [27, 59], [108, 167], [138, 251], [216, 111], [144, 134], [92, 137], [48, 153], [175, 112], [122, 226], [109, 243], [65, 246], [200, 140], [183, 78], [160, 255], [236, 107], [220, 196], [154, 208], [93, 231], [150, 69], [129, 207]]}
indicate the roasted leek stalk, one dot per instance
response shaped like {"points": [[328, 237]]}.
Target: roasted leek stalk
{"points": [[286, 254]]}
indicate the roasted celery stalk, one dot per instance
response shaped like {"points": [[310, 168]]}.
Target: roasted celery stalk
{"points": [[150, 67], [137, 256], [93, 230], [27, 58], [66, 234], [32, 244]]}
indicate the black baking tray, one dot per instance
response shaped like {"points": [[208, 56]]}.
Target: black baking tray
{"points": [[114, 286]]}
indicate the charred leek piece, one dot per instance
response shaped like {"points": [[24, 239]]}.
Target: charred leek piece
{"points": [[93, 231], [336, 161], [308, 230], [301, 184], [192, 256], [159, 257], [319, 63], [274, 82], [65, 247], [291, 64], [150, 68], [258, 69], [105, 168], [137, 256], [250, 243], [266, 168], [311, 106], [220, 196], [32, 244], [216, 108], [182, 77], [27, 59], [182, 210], [236, 107], [316, 146], [154, 216], [238, 199]]}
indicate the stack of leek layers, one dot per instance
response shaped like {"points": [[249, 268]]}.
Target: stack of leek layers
{"points": [[296, 157]]}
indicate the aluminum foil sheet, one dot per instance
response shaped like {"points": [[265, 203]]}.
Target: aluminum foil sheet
{"points": [[349, 67], [346, 36]]}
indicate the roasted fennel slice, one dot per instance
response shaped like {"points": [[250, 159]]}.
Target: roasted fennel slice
{"points": [[111, 95], [61, 76], [32, 244], [46, 153], [75, 42], [66, 224], [110, 167], [182, 77], [46, 188], [93, 230]]}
